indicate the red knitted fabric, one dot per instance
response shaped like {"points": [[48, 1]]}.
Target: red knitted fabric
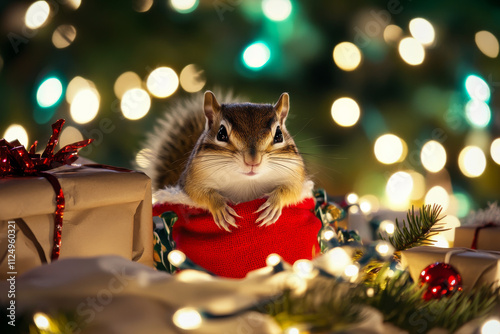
{"points": [[293, 237]]}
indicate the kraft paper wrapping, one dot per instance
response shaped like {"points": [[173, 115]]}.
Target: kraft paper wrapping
{"points": [[476, 267], [107, 212], [487, 239]]}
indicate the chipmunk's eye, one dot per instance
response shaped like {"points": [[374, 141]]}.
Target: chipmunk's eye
{"points": [[278, 136], [222, 134]]}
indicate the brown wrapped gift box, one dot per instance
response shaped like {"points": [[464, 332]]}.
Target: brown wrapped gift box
{"points": [[488, 237], [475, 267], [106, 212]]}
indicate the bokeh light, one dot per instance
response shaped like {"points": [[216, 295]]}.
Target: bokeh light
{"points": [[63, 36], [472, 161], [73, 4], [85, 105], [135, 103], [495, 150], [125, 82], [438, 195], [37, 14], [187, 318], [491, 326], [369, 203], [389, 149], [487, 43], [49, 92], [143, 157], [392, 33], [398, 188], [411, 51], [192, 78], [41, 321], [387, 226], [16, 131], [477, 88], [277, 10], [69, 135], [142, 6], [256, 55], [449, 222], [478, 113], [422, 30], [440, 241], [184, 6], [345, 111], [347, 56], [433, 156], [162, 82], [418, 190], [352, 198]]}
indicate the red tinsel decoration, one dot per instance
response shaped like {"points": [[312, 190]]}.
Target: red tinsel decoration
{"points": [[15, 160]]}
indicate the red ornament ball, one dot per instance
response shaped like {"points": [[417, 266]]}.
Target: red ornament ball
{"points": [[441, 280]]}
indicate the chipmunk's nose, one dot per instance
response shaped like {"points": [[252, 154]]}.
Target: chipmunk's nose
{"points": [[252, 158]]}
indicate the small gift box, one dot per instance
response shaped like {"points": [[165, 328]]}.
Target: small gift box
{"points": [[481, 230], [69, 211], [476, 267]]}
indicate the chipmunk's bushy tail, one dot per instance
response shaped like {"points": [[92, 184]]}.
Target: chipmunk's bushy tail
{"points": [[170, 144]]}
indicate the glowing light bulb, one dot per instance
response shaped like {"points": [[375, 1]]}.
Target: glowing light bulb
{"points": [[192, 78], [487, 43], [389, 149], [345, 111], [399, 187], [49, 92], [277, 10], [347, 56], [63, 36], [273, 259], [387, 226], [433, 156], [143, 157], [472, 161], [351, 270], [85, 106], [292, 330], [392, 33], [41, 321], [176, 257], [495, 150], [184, 6], [491, 327], [383, 248], [187, 318], [352, 198], [304, 268], [477, 88], [256, 55], [126, 81], [37, 14], [438, 195], [16, 131], [411, 51], [162, 82], [135, 103], [422, 30], [478, 113]]}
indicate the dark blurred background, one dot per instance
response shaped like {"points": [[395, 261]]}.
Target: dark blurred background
{"points": [[418, 70]]}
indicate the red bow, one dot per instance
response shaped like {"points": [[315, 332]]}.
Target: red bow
{"points": [[15, 160]]}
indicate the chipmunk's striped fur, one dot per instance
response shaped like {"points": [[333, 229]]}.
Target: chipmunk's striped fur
{"points": [[230, 152]]}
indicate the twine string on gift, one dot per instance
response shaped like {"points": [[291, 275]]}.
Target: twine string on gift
{"points": [[15, 160], [476, 234]]}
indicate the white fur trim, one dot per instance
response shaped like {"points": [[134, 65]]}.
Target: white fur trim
{"points": [[176, 195]]}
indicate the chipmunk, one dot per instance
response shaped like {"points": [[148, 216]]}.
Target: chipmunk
{"points": [[229, 153]]}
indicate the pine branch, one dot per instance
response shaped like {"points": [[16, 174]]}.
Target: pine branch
{"points": [[419, 228]]}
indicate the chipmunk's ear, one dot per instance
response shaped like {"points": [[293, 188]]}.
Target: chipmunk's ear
{"points": [[211, 107], [282, 106]]}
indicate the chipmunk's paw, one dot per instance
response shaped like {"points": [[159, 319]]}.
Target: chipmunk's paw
{"points": [[271, 211], [224, 216]]}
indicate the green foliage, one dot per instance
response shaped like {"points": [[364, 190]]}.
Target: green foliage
{"points": [[418, 229]]}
